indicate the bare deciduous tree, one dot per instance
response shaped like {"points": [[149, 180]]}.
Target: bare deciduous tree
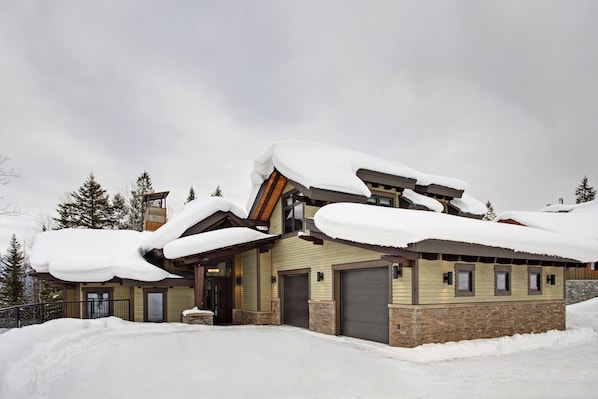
{"points": [[6, 175]]}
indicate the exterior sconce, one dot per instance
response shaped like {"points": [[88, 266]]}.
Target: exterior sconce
{"points": [[238, 280], [551, 279], [397, 271], [447, 278], [320, 276], [273, 279]]}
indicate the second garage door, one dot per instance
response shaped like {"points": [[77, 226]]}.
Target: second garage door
{"points": [[364, 304]]}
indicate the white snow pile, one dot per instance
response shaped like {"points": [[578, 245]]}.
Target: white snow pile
{"points": [[394, 227], [193, 212], [424, 200], [85, 255], [212, 240], [470, 205], [333, 168], [109, 357], [195, 310]]}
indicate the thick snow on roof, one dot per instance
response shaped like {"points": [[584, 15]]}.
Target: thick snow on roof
{"points": [[212, 240], [194, 212], [82, 255], [580, 220], [333, 168], [468, 204], [398, 228], [419, 199]]}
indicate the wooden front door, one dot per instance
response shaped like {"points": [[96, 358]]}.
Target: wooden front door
{"points": [[219, 298]]}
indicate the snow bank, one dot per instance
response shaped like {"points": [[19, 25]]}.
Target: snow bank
{"points": [[468, 204], [212, 240], [194, 310], [393, 227], [194, 212], [332, 168], [419, 199], [82, 255]]}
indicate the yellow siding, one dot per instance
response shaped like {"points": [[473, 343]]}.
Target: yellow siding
{"points": [[402, 288], [265, 282], [138, 303], [178, 299], [432, 290], [249, 280]]}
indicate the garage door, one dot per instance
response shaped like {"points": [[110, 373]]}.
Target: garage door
{"points": [[364, 304], [296, 295]]}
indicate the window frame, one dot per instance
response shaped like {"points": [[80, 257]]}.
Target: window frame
{"points": [[462, 269], [89, 312], [377, 196], [507, 270], [291, 208], [534, 271]]}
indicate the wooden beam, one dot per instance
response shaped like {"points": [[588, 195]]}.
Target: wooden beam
{"points": [[199, 282]]}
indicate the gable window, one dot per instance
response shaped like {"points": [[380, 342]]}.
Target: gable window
{"points": [[534, 280], [465, 284], [292, 214], [381, 201], [502, 280]]}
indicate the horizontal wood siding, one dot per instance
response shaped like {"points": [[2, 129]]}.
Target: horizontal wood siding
{"points": [[249, 280], [432, 290], [138, 304], [266, 282], [402, 288], [179, 299]]}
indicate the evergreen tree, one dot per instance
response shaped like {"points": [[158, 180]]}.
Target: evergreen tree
{"points": [[191, 195], [88, 207], [217, 192], [136, 205], [120, 212], [490, 214], [584, 192], [12, 275]]}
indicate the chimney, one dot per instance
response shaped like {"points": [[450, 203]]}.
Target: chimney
{"points": [[155, 210]]}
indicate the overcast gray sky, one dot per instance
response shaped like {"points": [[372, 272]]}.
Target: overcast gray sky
{"points": [[500, 94]]}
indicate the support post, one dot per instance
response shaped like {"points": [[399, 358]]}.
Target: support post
{"points": [[199, 282]]}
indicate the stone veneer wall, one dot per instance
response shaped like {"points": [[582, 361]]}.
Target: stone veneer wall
{"points": [[276, 312], [241, 316], [322, 317], [410, 326], [581, 290]]}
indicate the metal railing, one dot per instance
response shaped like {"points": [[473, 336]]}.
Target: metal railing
{"points": [[24, 315]]}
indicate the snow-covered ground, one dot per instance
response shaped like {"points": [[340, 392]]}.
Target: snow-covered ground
{"points": [[110, 358]]}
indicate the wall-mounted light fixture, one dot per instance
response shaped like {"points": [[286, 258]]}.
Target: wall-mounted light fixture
{"points": [[397, 271], [320, 276], [551, 279], [238, 280], [447, 278], [273, 279]]}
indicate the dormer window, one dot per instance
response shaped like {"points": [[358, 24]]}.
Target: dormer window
{"points": [[292, 214], [380, 200]]}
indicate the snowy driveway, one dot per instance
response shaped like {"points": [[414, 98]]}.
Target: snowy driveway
{"points": [[110, 358]]}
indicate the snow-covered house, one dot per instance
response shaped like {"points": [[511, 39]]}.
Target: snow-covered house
{"points": [[345, 243]]}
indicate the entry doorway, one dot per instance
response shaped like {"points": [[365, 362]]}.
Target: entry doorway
{"points": [[154, 305], [218, 292]]}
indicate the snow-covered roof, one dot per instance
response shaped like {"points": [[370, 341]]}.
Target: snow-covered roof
{"points": [[83, 255], [470, 205], [193, 212], [398, 228], [212, 240], [423, 200], [579, 220], [333, 168]]}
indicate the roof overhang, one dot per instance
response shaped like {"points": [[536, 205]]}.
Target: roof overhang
{"points": [[436, 189], [385, 179]]}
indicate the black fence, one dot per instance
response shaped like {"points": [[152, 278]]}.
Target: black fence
{"points": [[24, 315]]}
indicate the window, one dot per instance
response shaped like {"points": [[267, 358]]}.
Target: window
{"points": [[502, 280], [381, 201], [465, 284], [594, 267], [535, 281], [292, 215]]}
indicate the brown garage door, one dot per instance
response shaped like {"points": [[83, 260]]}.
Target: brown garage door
{"points": [[364, 304], [296, 295]]}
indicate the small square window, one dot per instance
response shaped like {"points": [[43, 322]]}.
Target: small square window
{"points": [[535, 281], [465, 284], [381, 201], [502, 280]]}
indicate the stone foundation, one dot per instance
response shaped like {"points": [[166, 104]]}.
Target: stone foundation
{"points": [[322, 317], [276, 312], [415, 325], [199, 317], [241, 316], [581, 290]]}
